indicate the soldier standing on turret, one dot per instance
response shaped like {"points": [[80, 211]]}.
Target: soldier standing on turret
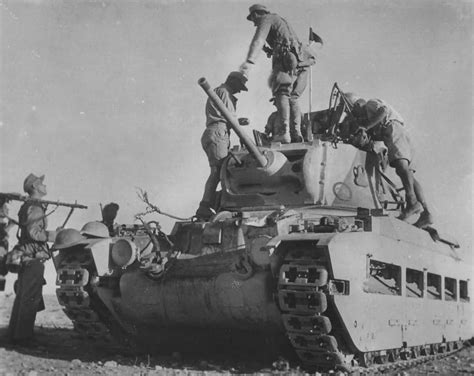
{"points": [[216, 138], [290, 67]]}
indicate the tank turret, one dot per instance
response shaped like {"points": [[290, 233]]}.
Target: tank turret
{"points": [[317, 172]]}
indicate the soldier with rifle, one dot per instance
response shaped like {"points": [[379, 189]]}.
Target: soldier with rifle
{"points": [[28, 256]]}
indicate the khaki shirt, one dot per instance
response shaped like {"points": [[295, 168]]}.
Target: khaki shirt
{"points": [[32, 243], [276, 32], [33, 223], [213, 115]]}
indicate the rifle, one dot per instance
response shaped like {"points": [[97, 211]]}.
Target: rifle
{"points": [[19, 197], [6, 197]]}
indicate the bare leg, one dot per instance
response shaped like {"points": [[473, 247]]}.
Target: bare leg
{"points": [[406, 175], [425, 217], [420, 196]]}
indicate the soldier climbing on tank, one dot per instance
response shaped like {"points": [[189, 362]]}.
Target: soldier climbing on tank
{"points": [[378, 121], [216, 138], [290, 67]]}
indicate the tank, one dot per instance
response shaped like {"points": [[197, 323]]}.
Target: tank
{"points": [[305, 250]]}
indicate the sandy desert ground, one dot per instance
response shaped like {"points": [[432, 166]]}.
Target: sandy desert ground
{"points": [[60, 351]]}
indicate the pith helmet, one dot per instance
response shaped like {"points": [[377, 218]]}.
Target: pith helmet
{"points": [[239, 78], [30, 180], [67, 238], [257, 7], [95, 229]]}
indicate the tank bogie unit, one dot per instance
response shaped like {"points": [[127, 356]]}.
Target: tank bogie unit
{"points": [[305, 247]]}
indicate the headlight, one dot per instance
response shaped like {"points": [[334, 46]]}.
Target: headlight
{"points": [[123, 253]]}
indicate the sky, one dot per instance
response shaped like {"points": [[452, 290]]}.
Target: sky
{"points": [[102, 96]]}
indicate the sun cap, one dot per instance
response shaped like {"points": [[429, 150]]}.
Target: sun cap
{"points": [[30, 180], [257, 7], [237, 76]]}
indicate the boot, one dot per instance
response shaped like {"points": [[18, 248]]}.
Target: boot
{"points": [[282, 138], [204, 212], [424, 220], [410, 210], [296, 136]]}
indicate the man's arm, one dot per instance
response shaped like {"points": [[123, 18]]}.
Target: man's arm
{"points": [[256, 45], [258, 40]]}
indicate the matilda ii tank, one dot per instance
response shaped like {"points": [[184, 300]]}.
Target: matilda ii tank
{"points": [[305, 249]]}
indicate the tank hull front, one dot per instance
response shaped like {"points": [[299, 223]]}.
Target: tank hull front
{"points": [[197, 294]]}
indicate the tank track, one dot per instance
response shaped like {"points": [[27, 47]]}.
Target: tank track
{"points": [[81, 305], [302, 295]]}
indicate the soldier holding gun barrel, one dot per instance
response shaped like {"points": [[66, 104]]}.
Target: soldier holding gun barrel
{"points": [[28, 256]]}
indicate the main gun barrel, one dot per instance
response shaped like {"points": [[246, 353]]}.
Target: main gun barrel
{"points": [[251, 147]]}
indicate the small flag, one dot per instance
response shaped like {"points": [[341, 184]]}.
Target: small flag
{"points": [[314, 37]]}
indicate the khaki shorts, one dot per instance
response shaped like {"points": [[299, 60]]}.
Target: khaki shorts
{"points": [[397, 140], [216, 142]]}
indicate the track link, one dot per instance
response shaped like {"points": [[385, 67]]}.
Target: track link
{"points": [[302, 295], [75, 295], [75, 292], [302, 301]]}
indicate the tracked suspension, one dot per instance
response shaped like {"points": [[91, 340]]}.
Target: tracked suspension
{"points": [[303, 289], [75, 295], [303, 302]]}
